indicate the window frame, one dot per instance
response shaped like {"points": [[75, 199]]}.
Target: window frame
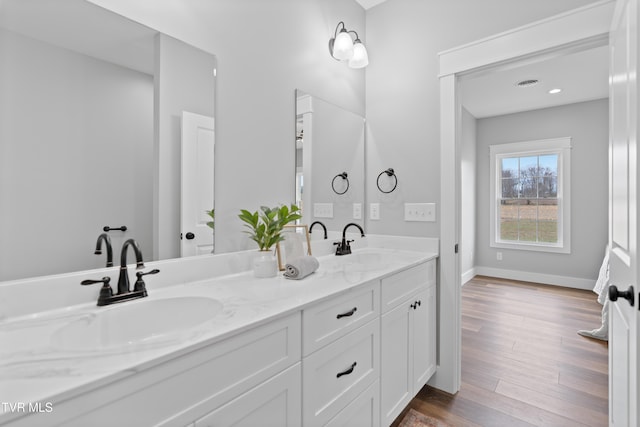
{"points": [[559, 146]]}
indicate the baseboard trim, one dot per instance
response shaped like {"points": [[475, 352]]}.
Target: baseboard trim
{"points": [[527, 276], [468, 275]]}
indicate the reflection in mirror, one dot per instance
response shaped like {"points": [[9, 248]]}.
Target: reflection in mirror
{"points": [[90, 135], [329, 164]]}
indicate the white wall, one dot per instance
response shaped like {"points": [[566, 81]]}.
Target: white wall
{"points": [[265, 50], [76, 137], [587, 123], [403, 40], [467, 195]]}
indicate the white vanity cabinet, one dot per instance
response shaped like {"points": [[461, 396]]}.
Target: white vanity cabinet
{"points": [[341, 350], [230, 378], [408, 341], [341, 363]]}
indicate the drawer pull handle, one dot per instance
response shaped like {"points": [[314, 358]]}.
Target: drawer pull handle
{"points": [[347, 314], [348, 371]]}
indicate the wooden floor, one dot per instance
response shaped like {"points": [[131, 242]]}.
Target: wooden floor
{"points": [[523, 363]]}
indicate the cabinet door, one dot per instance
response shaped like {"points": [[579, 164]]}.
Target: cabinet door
{"points": [[423, 338], [274, 403], [396, 384]]}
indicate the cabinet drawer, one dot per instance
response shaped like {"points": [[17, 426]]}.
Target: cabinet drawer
{"points": [[363, 411], [337, 373], [397, 288], [329, 320]]}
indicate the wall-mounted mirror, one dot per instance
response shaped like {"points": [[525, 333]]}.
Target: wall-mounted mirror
{"points": [[90, 135], [330, 184]]}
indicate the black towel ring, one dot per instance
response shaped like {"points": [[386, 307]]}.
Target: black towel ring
{"points": [[389, 172], [342, 175]]}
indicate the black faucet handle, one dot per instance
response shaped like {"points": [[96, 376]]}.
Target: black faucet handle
{"points": [[139, 286], [105, 292], [104, 280], [144, 273], [343, 249]]}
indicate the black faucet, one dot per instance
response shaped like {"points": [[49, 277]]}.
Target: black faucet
{"points": [[106, 296], [107, 241], [343, 248], [322, 225], [123, 280]]}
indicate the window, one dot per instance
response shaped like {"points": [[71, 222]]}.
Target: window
{"points": [[530, 195]]}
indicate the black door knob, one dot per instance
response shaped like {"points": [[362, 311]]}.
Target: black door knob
{"points": [[614, 294], [190, 236]]}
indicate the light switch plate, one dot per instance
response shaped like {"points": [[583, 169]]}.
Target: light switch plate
{"points": [[374, 211], [323, 210], [357, 211], [425, 212]]}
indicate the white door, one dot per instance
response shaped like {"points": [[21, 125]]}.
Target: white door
{"points": [[624, 200], [196, 184]]}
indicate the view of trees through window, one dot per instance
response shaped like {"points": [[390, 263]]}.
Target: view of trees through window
{"points": [[529, 198]]}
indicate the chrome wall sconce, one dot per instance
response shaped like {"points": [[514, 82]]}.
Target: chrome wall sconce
{"points": [[343, 48]]}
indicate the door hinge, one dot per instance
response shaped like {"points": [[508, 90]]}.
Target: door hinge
{"points": [[455, 248]]}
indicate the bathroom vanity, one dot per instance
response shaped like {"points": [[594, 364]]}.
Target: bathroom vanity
{"points": [[349, 345]]}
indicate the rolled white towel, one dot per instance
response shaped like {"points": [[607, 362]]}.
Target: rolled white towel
{"points": [[301, 267]]}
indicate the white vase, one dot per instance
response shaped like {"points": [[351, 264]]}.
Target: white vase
{"points": [[265, 264]]}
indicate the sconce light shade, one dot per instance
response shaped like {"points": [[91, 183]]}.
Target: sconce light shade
{"points": [[360, 58], [343, 46]]}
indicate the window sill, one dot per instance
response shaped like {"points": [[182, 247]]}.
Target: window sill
{"points": [[536, 247]]}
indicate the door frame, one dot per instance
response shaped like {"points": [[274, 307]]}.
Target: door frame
{"points": [[575, 30]]}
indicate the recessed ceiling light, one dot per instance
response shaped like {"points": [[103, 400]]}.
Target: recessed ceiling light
{"points": [[527, 83], [556, 90]]}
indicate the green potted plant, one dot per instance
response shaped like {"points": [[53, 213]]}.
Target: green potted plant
{"points": [[212, 214], [265, 228], [212, 225]]}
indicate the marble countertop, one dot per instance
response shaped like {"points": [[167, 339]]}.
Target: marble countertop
{"points": [[32, 369]]}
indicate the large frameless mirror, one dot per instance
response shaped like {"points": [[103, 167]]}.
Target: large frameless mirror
{"points": [[330, 182], [90, 137]]}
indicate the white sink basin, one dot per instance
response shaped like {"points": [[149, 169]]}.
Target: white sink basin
{"points": [[132, 324], [366, 261], [367, 258]]}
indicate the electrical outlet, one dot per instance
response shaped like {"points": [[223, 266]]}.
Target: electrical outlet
{"points": [[374, 211], [357, 211], [323, 210], [499, 256], [420, 212]]}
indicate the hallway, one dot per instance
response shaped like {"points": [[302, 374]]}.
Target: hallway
{"points": [[523, 363]]}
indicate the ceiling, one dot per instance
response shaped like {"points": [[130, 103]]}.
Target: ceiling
{"points": [[582, 76], [368, 4]]}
